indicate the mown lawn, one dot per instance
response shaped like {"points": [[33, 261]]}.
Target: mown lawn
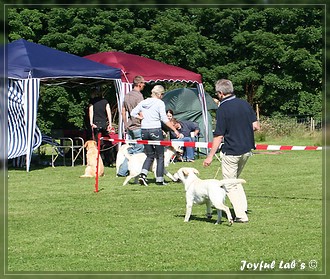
{"points": [[57, 223]]}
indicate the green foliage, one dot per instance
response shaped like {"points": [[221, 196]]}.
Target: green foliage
{"points": [[63, 108], [26, 23], [272, 54]]}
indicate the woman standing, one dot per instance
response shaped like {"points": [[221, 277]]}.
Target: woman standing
{"points": [[152, 113], [101, 122], [99, 114]]}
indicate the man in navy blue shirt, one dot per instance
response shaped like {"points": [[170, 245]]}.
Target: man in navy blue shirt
{"points": [[235, 125]]}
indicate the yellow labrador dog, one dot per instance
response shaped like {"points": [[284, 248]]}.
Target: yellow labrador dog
{"points": [[207, 191], [135, 162], [90, 170]]}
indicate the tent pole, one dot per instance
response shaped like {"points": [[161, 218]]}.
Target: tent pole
{"points": [[202, 99]]}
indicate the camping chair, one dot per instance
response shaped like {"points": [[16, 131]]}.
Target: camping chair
{"points": [[63, 145], [177, 156], [198, 149], [20, 161]]}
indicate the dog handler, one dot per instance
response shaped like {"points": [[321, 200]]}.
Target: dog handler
{"points": [[131, 124], [152, 113], [235, 125], [100, 121]]}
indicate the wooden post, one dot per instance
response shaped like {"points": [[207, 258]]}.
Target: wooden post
{"points": [[312, 124], [257, 110]]}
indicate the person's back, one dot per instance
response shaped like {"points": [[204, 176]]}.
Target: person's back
{"points": [[235, 123], [132, 125], [99, 114], [101, 122], [237, 117], [131, 100], [153, 111], [99, 108]]}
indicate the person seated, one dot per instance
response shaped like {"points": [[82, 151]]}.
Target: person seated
{"points": [[165, 129], [189, 130], [169, 114]]}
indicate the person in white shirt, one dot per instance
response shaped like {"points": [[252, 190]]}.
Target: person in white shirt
{"points": [[152, 113]]}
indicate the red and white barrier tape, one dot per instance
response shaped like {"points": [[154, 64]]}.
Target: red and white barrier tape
{"points": [[209, 144], [286, 147]]}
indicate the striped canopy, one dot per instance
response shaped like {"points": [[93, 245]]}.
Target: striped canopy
{"points": [[26, 65]]}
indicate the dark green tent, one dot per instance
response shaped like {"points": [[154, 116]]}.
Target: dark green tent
{"points": [[186, 106]]}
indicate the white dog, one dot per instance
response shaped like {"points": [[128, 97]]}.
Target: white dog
{"points": [[208, 191], [120, 156], [135, 162]]}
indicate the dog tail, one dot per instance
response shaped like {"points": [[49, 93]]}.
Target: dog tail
{"points": [[86, 175], [224, 182]]}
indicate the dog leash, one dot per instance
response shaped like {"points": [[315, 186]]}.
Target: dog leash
{"points": [[217, 172], [93, 136], [106, 149]]}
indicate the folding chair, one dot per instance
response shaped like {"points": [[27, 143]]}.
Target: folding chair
{"points": [[75, 146]]}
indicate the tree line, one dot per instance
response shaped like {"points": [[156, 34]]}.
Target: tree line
{"points": [[273, 55]]}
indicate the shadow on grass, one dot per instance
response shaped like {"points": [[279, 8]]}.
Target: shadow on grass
{"points": [[32, 167], [151, 182], [205, 219], [288, 198], [42, 162], [196, 218]]}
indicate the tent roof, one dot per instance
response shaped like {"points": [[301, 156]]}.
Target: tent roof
{"points": [[152, 70], [186, 99], [42, 62]]}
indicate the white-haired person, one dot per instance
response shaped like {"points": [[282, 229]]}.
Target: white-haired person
{"points": [[236, 122], [152, 113]]}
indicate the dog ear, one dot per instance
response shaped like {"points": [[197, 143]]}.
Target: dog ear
{"points": [[195, 171], [185, 172]]}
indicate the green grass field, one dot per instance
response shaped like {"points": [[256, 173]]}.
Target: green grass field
{"points": [[57, 223]]}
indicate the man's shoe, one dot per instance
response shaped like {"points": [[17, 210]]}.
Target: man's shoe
{"points": [[143, 180], [161, 183]]}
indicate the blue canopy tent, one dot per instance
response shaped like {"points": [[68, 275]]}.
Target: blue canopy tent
{"points": [[27, 64]]}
